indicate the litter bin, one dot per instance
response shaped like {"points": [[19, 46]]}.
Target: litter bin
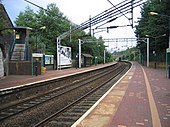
{"points": [[43, 70]]}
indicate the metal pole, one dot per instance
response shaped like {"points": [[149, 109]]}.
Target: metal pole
{"points": [[79, 53], [167, 76], [147, 52], [70, 34], [134, 56], [169, 32], [90, 25], [104, 56], [59, 57], [155, 54], [36, 42], [57, 60], [139, 57], [167, 54], [36, 59]]}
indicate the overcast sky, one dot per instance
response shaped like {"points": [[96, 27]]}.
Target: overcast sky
{"points": [[79, 11]]}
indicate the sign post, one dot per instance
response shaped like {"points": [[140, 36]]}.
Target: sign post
{"points": [[36, 56], [79, 53], [167, 63]]}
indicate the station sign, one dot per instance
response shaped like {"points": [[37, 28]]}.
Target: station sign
{"points": [[168, 50], [39, 55], [49, 59]]}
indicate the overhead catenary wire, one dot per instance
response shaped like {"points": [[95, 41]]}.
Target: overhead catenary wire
{"points": [[117, 9], [108, 15], [111, 12]]}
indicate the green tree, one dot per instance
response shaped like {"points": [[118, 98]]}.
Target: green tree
{"points": [[154, 26], [56, 24], [54, 21], [27, 18]]}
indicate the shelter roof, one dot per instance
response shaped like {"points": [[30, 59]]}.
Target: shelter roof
{"points": [[87, 55]]}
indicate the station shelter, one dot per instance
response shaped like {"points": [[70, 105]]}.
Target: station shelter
{"points": [[20, 50], [86, 59]]}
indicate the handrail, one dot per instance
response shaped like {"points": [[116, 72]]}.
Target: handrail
{"points": [[12, 47]]}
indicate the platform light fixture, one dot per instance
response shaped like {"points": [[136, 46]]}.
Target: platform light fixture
{"points": [[167, 64], [153, 13], [36, 64], [148, 36]]}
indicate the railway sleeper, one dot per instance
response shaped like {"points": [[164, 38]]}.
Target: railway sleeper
{"points": [[72, 114], [4, 114], [59, 124], [87, 104], [34, 102], [66, 118], [81, 110]]}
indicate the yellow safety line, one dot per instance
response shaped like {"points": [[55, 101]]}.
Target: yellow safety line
{"points": [[154, 112]]}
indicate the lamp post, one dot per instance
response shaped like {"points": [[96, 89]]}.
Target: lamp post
{"points": [[154, 46], [36, 63], [168, 49], [147, 42], [167, 16], [79, 53], [41, 28], [95, 60], [147, 52], [104, 54]]}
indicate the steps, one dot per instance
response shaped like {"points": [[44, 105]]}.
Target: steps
{"points": [[18, 52]]}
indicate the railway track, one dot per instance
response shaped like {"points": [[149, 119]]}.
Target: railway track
{"points": [[35, 101], [17, 95], [70, 113], [9, 95], [70, 100]]}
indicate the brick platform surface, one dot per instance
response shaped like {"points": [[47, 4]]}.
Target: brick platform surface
{"points": [[140, 99], [18, 80], [134, 110]]}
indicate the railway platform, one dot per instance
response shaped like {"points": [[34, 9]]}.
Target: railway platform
{"points": [[14, 81], [140, 99]]}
